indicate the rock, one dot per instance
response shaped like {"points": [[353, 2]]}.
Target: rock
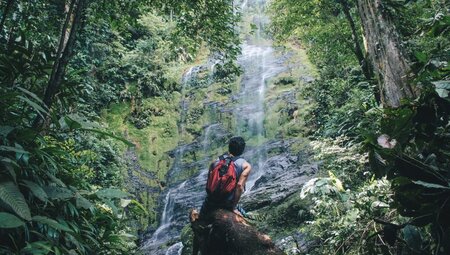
{"points": [[282, 177], [307, 79], [223, 232], [288, 245]]}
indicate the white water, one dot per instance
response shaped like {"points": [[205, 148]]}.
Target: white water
{"points": [[207, 138], [175, 249], [260, 63], [163, 234]]}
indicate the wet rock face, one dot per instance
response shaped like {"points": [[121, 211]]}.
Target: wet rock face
{"points": [[284, 174]]}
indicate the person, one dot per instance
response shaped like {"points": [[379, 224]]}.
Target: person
{"points": [[236, 147]]}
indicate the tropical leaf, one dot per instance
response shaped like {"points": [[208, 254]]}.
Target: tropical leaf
{"points": [[5, 130], [56, 180], [442, 88], [112, 193], [37, 248], [34, 96], [83, 202], [58, 193], [39, 110], [412, 237], [12, 149], [52, 223], [8, 220], [11, 195], [36, 190], [8, 165], [22, 156], [431, 185], [140, 206]]}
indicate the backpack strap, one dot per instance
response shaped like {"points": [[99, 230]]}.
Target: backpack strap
{"points": [[227, 156]]}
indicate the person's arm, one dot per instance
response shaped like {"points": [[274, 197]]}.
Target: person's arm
{"points": [[241, 183]]}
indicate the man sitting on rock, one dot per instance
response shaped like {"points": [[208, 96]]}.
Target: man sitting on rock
{"points": [[219, 198], [220, 229], [225, 187]]}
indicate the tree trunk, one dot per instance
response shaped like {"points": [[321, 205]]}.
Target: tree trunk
{"points": [[223, 232], [71, 26], [385, 51], [363, 62], [5, 13]]}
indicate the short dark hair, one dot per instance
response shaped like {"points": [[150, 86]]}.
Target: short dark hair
{"points": [[236, 146]]}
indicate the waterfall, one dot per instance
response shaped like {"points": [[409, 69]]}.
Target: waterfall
{"points": [[187, 77], [164, 232], [259, 62], [207, 138]]}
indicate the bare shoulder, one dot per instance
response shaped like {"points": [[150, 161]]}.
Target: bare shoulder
{"points": [[246, 165]]}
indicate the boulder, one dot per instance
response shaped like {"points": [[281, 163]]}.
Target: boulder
{"points": [[223, 232]]}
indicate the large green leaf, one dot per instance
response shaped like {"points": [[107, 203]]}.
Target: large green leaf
{"points": [[8, 220], [431, 185], [11, 195], [36, 190], [442, 88], [59, 193], [52, 223], [112, 193], [34, 96], [12, 149], [83, 202], [37, 248], [412, 237], [8, 165], [39, 110], [56, 180], [5, 130]]}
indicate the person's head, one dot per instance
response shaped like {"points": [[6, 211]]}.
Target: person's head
{"points": [[236, 146]]}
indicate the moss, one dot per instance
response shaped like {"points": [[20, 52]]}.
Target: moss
{"points": [[287, 110], [281, 220], [187, 236]]}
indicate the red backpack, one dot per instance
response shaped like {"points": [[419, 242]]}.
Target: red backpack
{"points": [[222, 180]]}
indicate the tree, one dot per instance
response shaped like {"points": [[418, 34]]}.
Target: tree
{"points": [[6, 10], [386, 53], [72, 24]]}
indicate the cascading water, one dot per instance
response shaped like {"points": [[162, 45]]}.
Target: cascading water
{"points": [[260, 63]]}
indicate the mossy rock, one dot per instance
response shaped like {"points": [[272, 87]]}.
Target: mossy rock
{"points": [[187, 236]]}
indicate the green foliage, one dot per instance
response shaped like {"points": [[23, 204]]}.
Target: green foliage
{"points": [[8, 220], [412, 150], [408, 145], [342, 220], [49, 181], [62, 187], [13, 198]]}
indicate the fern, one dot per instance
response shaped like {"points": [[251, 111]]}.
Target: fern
{"points": [[11, 195]]}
